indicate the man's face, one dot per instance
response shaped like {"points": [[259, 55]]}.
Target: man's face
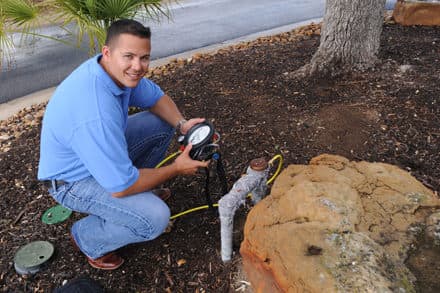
{"points": [[126, 59]]}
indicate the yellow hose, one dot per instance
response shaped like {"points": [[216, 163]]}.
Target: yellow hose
{"points": [[280, 165], [192, 210], [167, 159]]}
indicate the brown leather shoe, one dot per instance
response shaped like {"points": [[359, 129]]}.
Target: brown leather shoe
{"points": [[162, 193], [110, 261]]}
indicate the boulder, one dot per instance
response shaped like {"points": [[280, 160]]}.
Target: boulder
{"points": [[433, 228], [417, 13], [336, 226]]}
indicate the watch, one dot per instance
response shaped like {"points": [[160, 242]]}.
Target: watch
{"points": [[179, 125]]}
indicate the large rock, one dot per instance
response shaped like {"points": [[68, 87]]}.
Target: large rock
{"points": [[417, 13], [336, 226]]}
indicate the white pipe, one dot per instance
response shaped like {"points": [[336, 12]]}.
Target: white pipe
{"points": [[253, 182]]}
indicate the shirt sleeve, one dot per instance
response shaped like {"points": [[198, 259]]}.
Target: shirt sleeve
{"points": [[145, 94], [102, 148]]}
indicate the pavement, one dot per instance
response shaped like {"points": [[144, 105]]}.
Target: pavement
{"points": [[39, 63], [12, 107]]}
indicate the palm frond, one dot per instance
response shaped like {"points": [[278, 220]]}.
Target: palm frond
{"points": [[155, 10], [93, 17], [117, 9], [6, 44], [90, 18], [16, 16], [19, 12]]}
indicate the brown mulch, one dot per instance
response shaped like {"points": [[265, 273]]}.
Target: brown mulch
{"points": [[389, 114]]}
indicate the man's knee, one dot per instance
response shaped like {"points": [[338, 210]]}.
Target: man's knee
{"points": [[154, 222], [167, 128]]}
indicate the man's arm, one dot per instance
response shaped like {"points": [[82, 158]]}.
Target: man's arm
{"points": [[166, 109], [150, 178]]}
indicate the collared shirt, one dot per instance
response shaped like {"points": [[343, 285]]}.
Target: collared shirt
{"points": [[83, 132]]}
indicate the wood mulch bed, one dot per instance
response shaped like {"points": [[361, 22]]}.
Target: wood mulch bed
{"points": [[389, 114]]}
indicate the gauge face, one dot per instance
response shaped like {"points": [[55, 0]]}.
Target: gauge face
{"points": [[199, 135]]}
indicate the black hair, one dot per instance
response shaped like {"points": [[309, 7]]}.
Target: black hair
{"points": [[127, 26]]}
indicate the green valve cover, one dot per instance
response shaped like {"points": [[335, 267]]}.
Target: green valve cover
{"points": [[56, 214], [30, 257]]}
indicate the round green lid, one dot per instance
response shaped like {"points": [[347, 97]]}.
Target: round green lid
{"points": [[30, 257], [56, 214]]}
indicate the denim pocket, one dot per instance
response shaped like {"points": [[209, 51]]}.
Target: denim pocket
{"points": [[61, 192]]}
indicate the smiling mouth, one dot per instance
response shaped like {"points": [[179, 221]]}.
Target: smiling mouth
{"points": [[135, 75]]}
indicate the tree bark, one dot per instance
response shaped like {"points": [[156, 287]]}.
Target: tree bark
{"points": [[350, 37]]}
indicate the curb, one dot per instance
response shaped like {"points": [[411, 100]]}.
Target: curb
{"points": [[10, 108]]}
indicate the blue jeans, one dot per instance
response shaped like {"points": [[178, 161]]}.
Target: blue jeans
{"points": [[115, 222]]}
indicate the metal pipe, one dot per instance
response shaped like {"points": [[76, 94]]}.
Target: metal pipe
{"points": [[254, 182]]}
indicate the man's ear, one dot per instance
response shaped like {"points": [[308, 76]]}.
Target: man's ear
{"points": [[105, 51]]}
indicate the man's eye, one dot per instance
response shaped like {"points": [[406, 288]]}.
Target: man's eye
{"points": [[128, 56], [145, 59]]}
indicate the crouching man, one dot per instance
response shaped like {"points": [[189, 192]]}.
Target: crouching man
{"points": [[98, 160]]}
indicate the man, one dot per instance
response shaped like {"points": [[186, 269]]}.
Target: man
{"points": [[101, 162]]}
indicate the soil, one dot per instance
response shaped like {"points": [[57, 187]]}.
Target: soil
{"points": [[388, 114]]}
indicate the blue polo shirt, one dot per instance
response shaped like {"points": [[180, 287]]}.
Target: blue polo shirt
{"points": [[83, 132]]}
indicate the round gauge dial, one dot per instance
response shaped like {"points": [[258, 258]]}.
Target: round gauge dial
{"points": [[199, 134]]}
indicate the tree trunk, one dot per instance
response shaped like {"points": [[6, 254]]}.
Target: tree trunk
{"points": [[350, 37]]}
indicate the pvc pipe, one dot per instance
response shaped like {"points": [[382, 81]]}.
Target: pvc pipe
{"points": [[254, 182]]}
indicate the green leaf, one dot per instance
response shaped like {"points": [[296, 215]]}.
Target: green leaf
{"points": [[90, 17]]}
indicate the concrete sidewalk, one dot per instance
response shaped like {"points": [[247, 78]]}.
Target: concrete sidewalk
{"points": [[12, 107]]}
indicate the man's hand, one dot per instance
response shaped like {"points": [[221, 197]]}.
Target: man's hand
{"points": [[187, 166], [190, 123], [150, 178]]}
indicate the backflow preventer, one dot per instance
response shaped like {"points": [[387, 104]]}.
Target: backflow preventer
{"points": [[204, 140], [254, 182]]}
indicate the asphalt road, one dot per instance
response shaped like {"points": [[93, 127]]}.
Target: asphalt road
{"points": [[194, 24], [43, 63]]}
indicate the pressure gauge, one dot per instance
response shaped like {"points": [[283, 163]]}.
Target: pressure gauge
{"points": [[201, 136]]}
